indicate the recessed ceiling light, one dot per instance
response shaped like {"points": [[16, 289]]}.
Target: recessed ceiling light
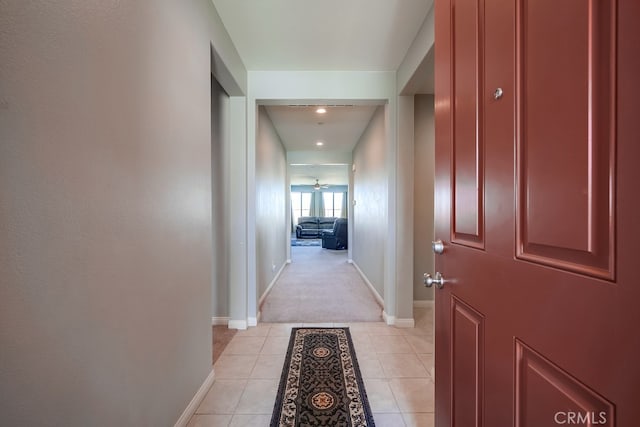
{"points": [[321, 110], [319, 143]]}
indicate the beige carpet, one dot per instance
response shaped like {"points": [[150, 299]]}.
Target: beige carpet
{"points": [[320, 286]]}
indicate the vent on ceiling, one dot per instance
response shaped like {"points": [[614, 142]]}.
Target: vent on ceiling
{"points": [[316, 105]]}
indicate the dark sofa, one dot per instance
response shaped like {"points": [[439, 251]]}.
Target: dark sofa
{"points": [[310, 227], [338, 237]]}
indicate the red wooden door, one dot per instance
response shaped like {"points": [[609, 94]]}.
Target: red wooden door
{"points": [[538, 322]]}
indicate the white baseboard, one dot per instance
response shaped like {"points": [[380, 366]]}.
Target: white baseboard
{"points": [[373, 290], [398, 322], [424, 303], [252, 321], [388, 319], [196, 401], [405, 323], [237, 324], [273, 282], [218, 321]]}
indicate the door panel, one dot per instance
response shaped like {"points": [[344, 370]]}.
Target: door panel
{"points": [[468, 156], [544, 392], [566, 142], [542, 320], [467, 363]]}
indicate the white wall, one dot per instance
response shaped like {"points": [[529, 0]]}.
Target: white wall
{"points": [[237, 210], [415, 178], [105, 213], [370, 214], [271, 200], [318, 157], [423, 194]]}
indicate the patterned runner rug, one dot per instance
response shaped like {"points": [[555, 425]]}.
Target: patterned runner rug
{"points": [[321, 384]]}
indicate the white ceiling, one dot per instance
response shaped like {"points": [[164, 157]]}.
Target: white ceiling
{"points": [[300, 127], [327, 35], [360, 35]]}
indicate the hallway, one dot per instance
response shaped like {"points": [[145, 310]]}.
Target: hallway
{"points": [[143, 199], [320, 286], [145, 181], [396, 364]]}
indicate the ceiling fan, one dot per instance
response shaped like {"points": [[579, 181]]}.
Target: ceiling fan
{"points": [[317, 186]]}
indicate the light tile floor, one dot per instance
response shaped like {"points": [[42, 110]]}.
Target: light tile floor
{"points": [[396, 364]]}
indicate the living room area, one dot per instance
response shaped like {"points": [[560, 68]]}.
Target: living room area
{"points": [[319, 205], [319, 216]]}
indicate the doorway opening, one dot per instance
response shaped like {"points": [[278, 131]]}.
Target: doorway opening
{"points": [[319, 149], [219, 219]]}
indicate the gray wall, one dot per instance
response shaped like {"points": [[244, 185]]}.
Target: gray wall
{"points": [[370, 193], [105, 210], [220, 199], [404, 195], [423, 193], [271, 228]]}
